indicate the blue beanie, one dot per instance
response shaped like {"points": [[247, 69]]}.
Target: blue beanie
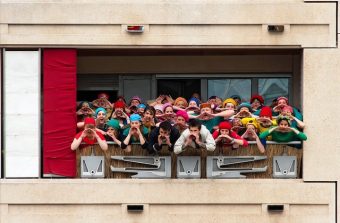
{"points": [[141, 106], [135, 117], [100, 109], [195, 100]]}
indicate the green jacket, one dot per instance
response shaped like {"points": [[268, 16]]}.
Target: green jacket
{"points": [[284, 136]]}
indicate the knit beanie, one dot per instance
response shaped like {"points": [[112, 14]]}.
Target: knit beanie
{"points": [[136, 98], [266, 111], [229, 100], [224, 125], [114, 123], [183, 114], [89, 121], [258, 97], [245, 104], [166, 105], [99, 110], [141, 106], [159, 107], [284, 98], [181, 99], [135, 117], [287, 108], [119, 104], [195, 100]]}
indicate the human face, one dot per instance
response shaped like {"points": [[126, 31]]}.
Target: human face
{"points": [[180, 104], [212, 101], [283, 126], [192, 104], [206, 110], [286, 112], [219, 101], [180, 120], [194, 130], [282, 103], [141, 111], [251, 127], [237, 122], [159, 112], [85, 105], [169, 111], [111, 131], [134, 103], [119, 111], [148, 115], [101, 115], [88, 128], [256, 104], [244, 109], [135, 124], [224, 131], [230, 106], [163, 132]]}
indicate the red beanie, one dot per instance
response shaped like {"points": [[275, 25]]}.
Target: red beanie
{"points": [[119, 104], [224, 125], [266, 111], [89, 121], [258, 97]]}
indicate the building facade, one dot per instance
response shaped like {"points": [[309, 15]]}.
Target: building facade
{"points": [[194, 41]]}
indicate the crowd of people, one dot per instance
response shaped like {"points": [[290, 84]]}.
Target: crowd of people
{"points": [[179, 123]]}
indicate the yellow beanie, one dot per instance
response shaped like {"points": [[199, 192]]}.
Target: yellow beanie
{"points": [[229, 100]]}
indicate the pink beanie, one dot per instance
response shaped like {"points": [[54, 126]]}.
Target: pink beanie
{"points": [[183, 114]]}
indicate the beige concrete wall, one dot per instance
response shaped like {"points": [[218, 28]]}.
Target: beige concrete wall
{"points": [[321, 78], [165, 200], [172, 23]]}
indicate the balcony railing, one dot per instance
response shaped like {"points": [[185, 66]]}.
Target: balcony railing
{"points": [[272, 149]]}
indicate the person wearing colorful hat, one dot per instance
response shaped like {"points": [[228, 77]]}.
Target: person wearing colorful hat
{"points": [[244, 110], [295, 122], [265, 120], [251, 132], [181, 120], [89, 136], [141, 109], [83, 111], [102, 101], [180, 103], [193, 106], [283, 132], [256, 102], [120, 114], [226, 137], [237, 98], [113, 131], [281, 103], [229, 104], [100, 115], [135, 133], [209, 119]]}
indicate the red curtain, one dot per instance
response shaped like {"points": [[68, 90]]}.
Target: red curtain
{"points": [[59, 107]]}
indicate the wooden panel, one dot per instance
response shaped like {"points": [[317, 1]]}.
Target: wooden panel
{"points": [[272, 150]]}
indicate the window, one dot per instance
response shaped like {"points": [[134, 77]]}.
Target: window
{"points": [[225, 88], [271, 88]]}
